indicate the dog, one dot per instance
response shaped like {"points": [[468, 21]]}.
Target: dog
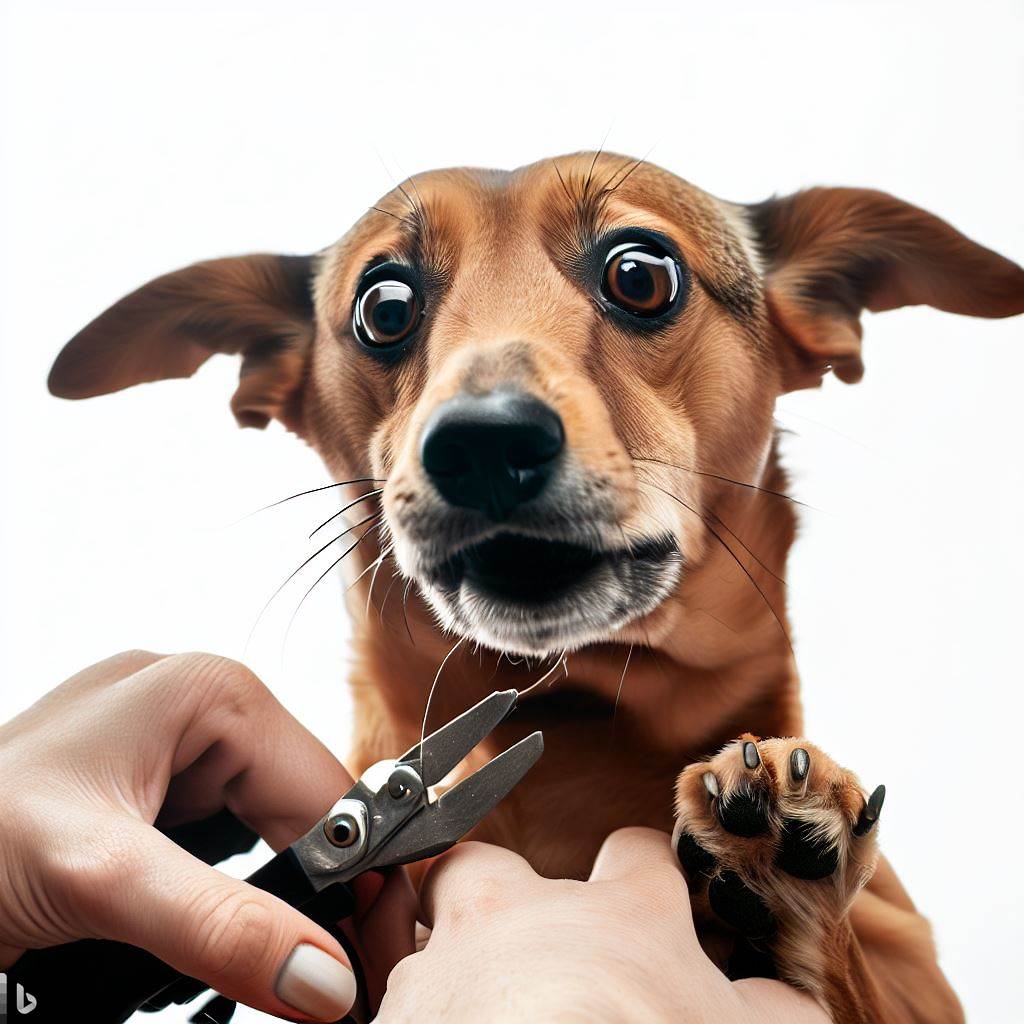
{"points": [[548, 394]]}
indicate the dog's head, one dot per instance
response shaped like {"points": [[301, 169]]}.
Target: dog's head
{"points": [[554, 372]]}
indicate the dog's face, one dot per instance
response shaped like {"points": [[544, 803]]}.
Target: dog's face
{"points": [[502, 347], [553, 372]]}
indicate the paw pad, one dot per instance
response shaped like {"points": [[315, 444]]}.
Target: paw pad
{"points": [[744, 813], [804, 853], [694, 858], [739, 906]]}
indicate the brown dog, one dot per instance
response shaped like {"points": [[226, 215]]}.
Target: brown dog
{"points": [[551, 390]]}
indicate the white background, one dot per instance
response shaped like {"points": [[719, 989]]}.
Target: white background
{"points": [[141, 136]]}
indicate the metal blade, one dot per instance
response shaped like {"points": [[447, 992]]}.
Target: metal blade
{"points": [[442, 750], [443, 823]]}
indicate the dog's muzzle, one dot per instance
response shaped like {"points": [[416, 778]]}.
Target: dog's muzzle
{"points": [[515, 547]]}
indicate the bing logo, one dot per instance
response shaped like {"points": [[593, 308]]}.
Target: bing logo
{"points": [[23, 1002]]}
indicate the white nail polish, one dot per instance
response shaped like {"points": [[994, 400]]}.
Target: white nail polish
{"points": [[313, 982]]}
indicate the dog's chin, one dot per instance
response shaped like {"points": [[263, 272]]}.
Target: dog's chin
{"points": [[534, 596]]}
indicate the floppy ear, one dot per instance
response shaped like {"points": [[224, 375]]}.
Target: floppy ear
{"points": [[831, 253], [258, 306]]}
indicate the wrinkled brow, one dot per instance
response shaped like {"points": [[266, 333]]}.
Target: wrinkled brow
{"points": [[577, 211], [430, 232]]}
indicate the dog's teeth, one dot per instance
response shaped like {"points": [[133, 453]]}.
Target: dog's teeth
{"points": [[751, 758], [711, 783], [799, 764], [869, 815]]}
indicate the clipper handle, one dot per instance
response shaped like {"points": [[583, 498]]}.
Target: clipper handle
{"points": [[106, 982]]}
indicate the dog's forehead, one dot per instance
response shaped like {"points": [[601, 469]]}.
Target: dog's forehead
{"points": [[465, 201], [441, 218]]}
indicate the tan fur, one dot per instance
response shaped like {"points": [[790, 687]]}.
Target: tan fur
{"points": [[653, 425]]}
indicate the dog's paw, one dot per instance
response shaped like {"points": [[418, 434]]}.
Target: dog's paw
{"points": [[776, 839]]}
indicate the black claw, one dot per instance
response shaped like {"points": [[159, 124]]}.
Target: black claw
{"points": [[739, 906], [804, 853], [799, 764], [711, 783], [694, 858], [751, 758], [869, 814], [744, 813]]}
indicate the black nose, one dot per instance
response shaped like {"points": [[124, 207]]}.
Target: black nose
{"points": [[492, 452]]}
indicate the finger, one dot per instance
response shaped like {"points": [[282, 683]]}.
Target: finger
{"points": [[383, 928], [774, 1002], [104, 673], [631, 853], [642, 861], [75, 700], [235, 745], [113, 669], [471, 877], [241, 941]]}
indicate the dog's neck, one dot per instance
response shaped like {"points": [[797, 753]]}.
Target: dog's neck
{"points": [[715, 663]]}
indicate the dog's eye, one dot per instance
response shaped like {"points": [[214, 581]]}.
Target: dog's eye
{"points": [[641, 278], [386, 314]]}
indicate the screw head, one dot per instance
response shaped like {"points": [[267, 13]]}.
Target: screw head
{"points": [[341, 830], [403, 782]]}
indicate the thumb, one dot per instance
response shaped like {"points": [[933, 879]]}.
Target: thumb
{"points": [[643, 860], [630, 853], [243, 942]]}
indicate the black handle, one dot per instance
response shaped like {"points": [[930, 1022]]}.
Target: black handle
{"points": [[106, 982], [91, 979], [281, 875]]}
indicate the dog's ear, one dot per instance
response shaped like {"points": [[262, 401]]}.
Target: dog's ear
{"points": [[831, 253], [259, 307]]}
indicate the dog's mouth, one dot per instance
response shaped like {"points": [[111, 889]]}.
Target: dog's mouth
{"points": [[534, 595], [528, 570]]}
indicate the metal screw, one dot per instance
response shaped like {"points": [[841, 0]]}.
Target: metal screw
{"points": [[402, 782], [341, 830]]}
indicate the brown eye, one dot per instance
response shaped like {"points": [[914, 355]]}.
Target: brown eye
{"points": [[386, 313], [641, 279]]}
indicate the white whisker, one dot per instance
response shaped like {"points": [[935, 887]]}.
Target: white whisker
{"points": [[433, 686], [550, 671]]}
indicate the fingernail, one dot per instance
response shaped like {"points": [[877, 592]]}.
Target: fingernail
{"points": [[314, 983]]}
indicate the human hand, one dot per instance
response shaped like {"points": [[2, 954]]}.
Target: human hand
{"points": [[87, 770], [508, 944]]}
